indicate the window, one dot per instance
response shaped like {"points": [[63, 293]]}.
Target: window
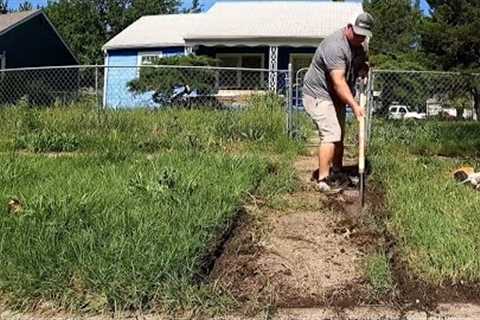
{"points": [[237, 79], [300, 61], [147, 58]]}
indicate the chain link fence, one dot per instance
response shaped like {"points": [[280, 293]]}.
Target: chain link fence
{"points": [[425, 94], [391, 94], [401, 95], [51, 86], [152, 86]]}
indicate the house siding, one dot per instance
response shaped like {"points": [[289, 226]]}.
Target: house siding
{"points": [[118, 95], [118, 77]]}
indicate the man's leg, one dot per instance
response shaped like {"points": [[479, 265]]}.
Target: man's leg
{"points": [[339, 146], [338, 156], [324, 115], [326, 153], [331, 148]]}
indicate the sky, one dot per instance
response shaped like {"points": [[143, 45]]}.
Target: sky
{"points": [[186, 3]]}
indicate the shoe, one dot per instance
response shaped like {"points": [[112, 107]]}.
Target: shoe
{"points": [[338, 174], [352, 179], [331, 184]]}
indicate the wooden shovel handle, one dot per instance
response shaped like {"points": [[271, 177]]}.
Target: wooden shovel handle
{"points": [[361, 136]]}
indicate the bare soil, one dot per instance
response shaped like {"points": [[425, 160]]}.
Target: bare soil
{"points": [[306, 253]]}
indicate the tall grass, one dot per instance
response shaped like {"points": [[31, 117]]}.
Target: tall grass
{"points": [[261, 126], [434, 219], [127, 220]]}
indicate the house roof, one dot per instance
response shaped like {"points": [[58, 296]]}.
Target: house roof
{"points": [[241, 22], [273, 22], [156, 31], [10, 20]]}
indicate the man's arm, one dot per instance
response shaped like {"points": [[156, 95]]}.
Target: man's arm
{"points": [[342, 91]]}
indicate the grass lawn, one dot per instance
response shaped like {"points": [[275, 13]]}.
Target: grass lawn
{"points": [[434, 220], [119, 210]]}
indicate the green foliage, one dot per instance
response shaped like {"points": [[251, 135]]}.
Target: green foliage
{"points": [[87, 25], [450, 37], [162, 81], [25, 6], [398, 20], [451, 34], [47, 141], [261, 121], [104, 236], [378, 273]]}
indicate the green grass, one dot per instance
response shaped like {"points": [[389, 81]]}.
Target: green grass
{"points": [[261, 127], [115, 233], [434, 219], [433, 138], [126, 219], [378, 273]]}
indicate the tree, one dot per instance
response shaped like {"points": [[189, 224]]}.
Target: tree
{"points": [[396, 45], [195, 8], [25, 6], [451, 39], [451, 34], [164, 83], [396, 39], [81, 26], [87, 25], [4, 6]]}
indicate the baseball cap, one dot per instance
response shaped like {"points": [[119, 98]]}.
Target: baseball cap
{"points": [[363, 25]]}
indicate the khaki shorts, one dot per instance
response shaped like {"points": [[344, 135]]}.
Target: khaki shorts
{"points": [[328, 117]]}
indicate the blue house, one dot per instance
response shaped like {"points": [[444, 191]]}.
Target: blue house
{"points": [[238, 33]]}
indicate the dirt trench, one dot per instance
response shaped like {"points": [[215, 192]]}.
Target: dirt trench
{"points": [[307, 251]]}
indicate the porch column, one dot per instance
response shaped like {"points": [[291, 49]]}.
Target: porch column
{"points": [[273, 66], [188, 50]]}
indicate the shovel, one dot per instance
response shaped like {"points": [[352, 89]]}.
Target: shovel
{"points": [[361, 145]]}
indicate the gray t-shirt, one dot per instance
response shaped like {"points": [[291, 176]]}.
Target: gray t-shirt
{"points": [[333, 53]]}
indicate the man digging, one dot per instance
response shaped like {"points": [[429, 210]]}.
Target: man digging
{"points": [[328, 88]]}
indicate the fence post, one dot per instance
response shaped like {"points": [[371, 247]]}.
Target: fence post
{"points": [[289, 99], [370, 103], [97, 101]]}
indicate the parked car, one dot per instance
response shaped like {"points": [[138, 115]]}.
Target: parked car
{"points": [[399, 112]]}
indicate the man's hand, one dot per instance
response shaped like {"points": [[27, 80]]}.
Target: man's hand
{"points": [[358, 111], [342, 91]]}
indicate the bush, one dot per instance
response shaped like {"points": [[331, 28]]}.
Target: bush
{"points": [[163, 82]]}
